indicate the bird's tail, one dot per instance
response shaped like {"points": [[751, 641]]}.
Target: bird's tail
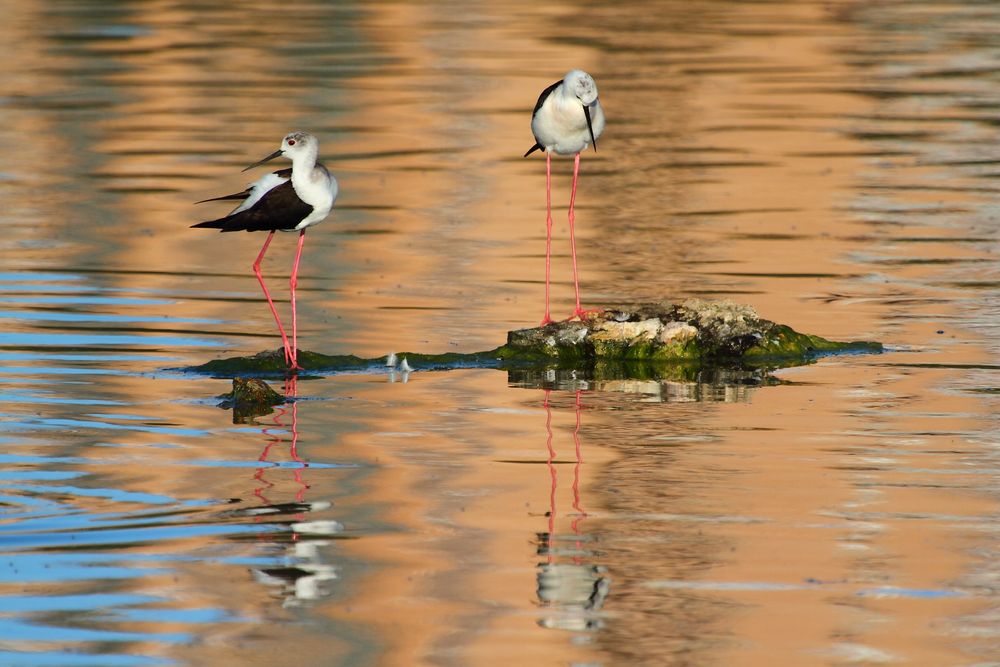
{"points": [[213, 224], [536, 147], [233, 197]]}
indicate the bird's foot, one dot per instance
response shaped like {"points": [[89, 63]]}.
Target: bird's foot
{"points": [[583, 313], [546, 321], [292, 361]]}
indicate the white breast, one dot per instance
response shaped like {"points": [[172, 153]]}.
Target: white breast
{"points": [[320, 191], [560, 125]]}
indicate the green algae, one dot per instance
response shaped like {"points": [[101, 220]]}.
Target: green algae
{"points": [[271, 363], [704, 333], [646, 341]]}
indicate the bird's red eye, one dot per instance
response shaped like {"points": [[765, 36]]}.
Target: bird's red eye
{"points": [[291, 142]]}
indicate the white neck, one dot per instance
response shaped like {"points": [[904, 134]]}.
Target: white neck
{"points": [[313, 183], [304, 161], [305, 174]]}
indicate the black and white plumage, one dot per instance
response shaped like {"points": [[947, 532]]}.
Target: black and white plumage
{"points": [[567, 118], [282, 210], [285, 200]]}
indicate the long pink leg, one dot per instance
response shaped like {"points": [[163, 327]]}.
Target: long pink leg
{"points": [[579, 312], [270, 303], [548, 233], [292, 284], [553, 479], [581, 513]]}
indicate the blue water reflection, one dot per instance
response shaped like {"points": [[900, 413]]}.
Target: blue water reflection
{"points": [[65, 659]]}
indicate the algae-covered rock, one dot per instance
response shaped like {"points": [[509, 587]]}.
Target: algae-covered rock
{"points": [[637, 341], [250, 397], [271, 363], [695, 330]]}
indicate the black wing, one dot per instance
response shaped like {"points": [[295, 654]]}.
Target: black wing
{"points": [[280, 208], [281, 173], [538, 105], [234, 196], [544, 96]]}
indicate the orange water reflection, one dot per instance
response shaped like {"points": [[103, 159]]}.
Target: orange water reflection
{"points": [[829, 163]]}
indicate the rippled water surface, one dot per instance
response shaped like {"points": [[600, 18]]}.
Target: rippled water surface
{"points": [[834, 164]]}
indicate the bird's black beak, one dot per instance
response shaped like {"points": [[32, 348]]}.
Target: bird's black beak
{"points": [[277, 153], [586, 114]]}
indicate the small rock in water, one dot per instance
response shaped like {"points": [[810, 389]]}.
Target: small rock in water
{"points": [[250, 397], [253, 390]]}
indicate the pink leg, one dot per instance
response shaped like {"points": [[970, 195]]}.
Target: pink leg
{"points": [[267, 295], [548, 233], [553, 479], [292, 284], [581, 514], [579, 312]]}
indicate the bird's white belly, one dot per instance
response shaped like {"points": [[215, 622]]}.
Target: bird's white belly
{"points": [[321, 196], [318, 215], [563, 128]]}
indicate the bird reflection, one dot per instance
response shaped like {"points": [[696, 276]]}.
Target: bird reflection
{"points": [[297, 572], [570, 588]]}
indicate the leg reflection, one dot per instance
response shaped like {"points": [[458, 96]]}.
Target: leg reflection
{"points": [[275, 437], [300, 573], [554, 480], [580, 514], [571, 588]]}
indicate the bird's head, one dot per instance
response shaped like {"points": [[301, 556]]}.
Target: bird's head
{"points": [[294, 143], [582, 86], [297, 142]]}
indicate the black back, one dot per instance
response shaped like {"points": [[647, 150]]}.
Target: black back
{"points": [[538, 105], [280, 208]]}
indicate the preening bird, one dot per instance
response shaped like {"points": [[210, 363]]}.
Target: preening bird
{"points": [[567, 118]]}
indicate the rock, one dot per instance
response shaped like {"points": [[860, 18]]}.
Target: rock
{"points": [[694, 330], [677, 332], [250, 398], [719, 319], [271, 363], [635, 341], [615, 330]]}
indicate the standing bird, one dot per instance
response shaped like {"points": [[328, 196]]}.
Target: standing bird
{"points": [[567, 118], [286, 200]]}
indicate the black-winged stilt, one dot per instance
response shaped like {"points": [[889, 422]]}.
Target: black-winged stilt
{"points": [[286, 200], [567, 118]]}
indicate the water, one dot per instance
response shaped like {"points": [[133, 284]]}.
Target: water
{"points": [[834, 165]]}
